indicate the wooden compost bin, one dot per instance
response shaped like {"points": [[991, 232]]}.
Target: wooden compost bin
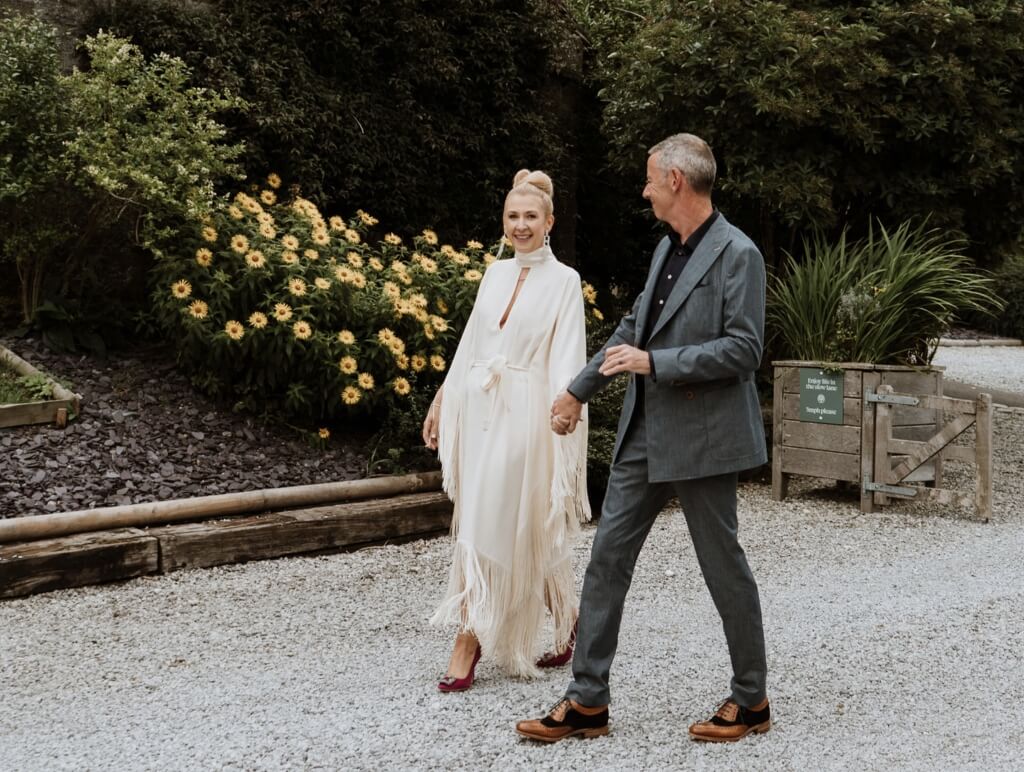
{"points": [[845, 450], [65, 404]]}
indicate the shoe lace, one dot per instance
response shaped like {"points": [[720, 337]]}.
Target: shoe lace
{"points": [[560, 709], [728, 709]]}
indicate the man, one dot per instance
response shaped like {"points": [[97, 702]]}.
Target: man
{"points": [[690, 421]]}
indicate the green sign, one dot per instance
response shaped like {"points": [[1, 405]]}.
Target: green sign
{"points": [[821, 396]]}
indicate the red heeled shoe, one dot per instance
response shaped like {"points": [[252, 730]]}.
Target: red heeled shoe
{"points": [[453, 684], [557, 659]]}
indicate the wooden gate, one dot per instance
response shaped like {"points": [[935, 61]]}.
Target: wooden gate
{"points": [[898, 463]]}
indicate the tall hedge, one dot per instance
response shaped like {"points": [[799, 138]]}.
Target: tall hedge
{"points": [[824, 114], [419, 111]]}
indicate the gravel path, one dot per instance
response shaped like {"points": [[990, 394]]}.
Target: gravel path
{"points": [[997, 367], [146, 435], [894, 642]]}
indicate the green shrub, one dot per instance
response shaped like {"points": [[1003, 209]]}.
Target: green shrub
{"points": [[281, 309], [825, 114], [1009, 281], [114, 156], [884, 300]]}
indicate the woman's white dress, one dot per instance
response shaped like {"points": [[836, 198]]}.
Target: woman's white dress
{"points": [[519, 489]]}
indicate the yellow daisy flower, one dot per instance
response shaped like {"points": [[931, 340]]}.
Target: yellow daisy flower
{"points": [[265, 218], [489, 258], [428, 332], [428, 265], [346, 337], [439, 324], [321, 237], [324, 434], [351, 395], [460, 259], [392, 238], [198, 309], [365, 380], [267, 231], [273, 181], [204, 257], [234, 329], [297, 287], [257, 320], [268, 197], [251, 205], [322, 283], [447, 249], [405, 278], [181, 289], [343, 273], [367, 219], [401, 386], [437, 362], [402, 361], [240, 243], [351, 236], [430, 237], [255, 259], [302, 330], [418, 300], [235, 212], [311, 254], [589, 293], [420, 314], [354, 259], [474, 244], [385, 335], [418, 362], [472, 275], [376, 264], [282, 312], [210, 234], [391, 290], [442, 306], [337, 224], [288, 241], [348, 365], [289, 258], [597, 313]]}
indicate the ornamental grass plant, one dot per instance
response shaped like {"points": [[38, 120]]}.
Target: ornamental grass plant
{"points": [[281, 309], [884, 300]]}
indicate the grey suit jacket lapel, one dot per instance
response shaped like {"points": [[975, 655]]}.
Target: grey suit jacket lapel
{"points": [[700, 261], [657, 263]]}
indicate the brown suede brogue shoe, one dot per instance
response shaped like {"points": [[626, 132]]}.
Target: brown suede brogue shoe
{"points": [[733, 722], [567, 719]]}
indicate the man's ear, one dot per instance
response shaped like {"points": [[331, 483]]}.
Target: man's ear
{"points": [[678, 179]]}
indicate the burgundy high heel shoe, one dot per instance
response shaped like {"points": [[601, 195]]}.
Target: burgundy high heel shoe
{"points": [[453, 684], [556, 659]]}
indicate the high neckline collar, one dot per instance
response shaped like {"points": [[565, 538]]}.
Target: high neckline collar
{"points": [[538, 256]]}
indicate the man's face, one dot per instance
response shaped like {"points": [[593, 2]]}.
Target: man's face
{"points": [[658, 189]]}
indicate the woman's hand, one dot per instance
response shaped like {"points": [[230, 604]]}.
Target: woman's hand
{"points": [[430, 424]]}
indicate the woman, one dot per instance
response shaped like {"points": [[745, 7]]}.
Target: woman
{"points": [[519, 489]]}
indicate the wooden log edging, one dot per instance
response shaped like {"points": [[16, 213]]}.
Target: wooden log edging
{"points": [[42, 412], [124, 553], [160, 512]]}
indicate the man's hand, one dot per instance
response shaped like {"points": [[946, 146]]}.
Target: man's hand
{"points": [[565, 413], [625, 359]]}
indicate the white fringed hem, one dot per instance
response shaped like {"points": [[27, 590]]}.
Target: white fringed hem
{"points": [[485, 599]]}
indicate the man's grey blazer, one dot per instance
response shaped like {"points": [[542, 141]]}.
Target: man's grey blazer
{"points": [[702, 416]]}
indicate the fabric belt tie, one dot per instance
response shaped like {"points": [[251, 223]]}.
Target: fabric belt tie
{"points": [[492, 382]]}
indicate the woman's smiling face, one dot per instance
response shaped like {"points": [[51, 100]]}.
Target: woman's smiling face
{"points": [[525, 222]]}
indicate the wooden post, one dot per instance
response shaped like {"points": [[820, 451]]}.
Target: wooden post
{"points": [[870, 382], [940, 419], [780, 480], [983, 457], [883, 435]]}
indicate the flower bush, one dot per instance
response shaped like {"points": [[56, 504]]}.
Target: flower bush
{"points": [[279, 307]]}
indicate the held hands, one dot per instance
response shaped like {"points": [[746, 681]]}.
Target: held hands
{"points": [[625, 359], [566, 412]]}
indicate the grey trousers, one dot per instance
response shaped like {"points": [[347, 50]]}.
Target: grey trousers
{"points": [[630, 507]]}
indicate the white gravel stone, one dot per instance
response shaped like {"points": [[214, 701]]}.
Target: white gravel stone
{"points": [[893, 639], [997, 367]]}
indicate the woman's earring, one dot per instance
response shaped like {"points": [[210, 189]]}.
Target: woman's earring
{"points": [[547, 238]]}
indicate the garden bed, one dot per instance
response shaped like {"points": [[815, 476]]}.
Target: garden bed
{"points": [[28, 396]]}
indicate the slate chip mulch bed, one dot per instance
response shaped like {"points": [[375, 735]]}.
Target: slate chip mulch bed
{"points": [[145, 434]]}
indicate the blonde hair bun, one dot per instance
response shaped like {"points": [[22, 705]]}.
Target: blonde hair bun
{"points": [[537, 179]]}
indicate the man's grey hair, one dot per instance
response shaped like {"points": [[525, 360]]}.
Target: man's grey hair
{"points": [[691, 155]]}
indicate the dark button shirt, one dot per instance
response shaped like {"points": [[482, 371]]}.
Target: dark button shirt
{"points": [[679, 255]]}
